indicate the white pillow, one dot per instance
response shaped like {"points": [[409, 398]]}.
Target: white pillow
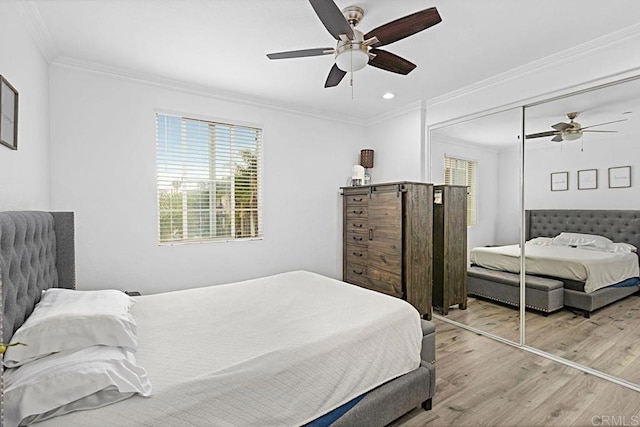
{"points": [[584, 241], [71, 381], [66, 319], [623, 248], [541, 241]]}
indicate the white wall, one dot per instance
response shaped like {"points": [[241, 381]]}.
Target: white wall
{"points": [[103, 168], [24, 174], [485, 231], [397, 145], [509, 201], [600, 154]]}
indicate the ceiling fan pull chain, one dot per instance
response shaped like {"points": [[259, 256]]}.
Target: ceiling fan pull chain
{"points": [[351, 83], [351, 76]]}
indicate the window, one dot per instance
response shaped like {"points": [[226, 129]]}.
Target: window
{"points": [[464, 172], [209, 180]]}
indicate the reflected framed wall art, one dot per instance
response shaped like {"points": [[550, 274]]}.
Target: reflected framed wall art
{"points": [[8, 114], [620, 177], [588, 179], [559, 181]]}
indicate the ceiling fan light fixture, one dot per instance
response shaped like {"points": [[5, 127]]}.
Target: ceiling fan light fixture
{"points": [[352, 57], [571, 136]]}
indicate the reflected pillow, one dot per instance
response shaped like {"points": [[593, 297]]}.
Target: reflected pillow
{"points": [[583, 241], [66, 319], [71, 381], [541, 241], [623, 248]]}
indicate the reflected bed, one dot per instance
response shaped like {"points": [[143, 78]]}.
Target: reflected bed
{"points": [[587, 276]]}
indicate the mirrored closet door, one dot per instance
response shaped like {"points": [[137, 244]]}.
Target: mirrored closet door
{"points": [[581, 169], [483, 153]]}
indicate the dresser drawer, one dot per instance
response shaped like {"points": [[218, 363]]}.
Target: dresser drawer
{"points": [[355, 273], [357, 237], [356, 199], [357, 224], [355, 254], [356, 212]]}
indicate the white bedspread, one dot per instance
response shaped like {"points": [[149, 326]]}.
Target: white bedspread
{"points": [[276, 351], [597, 269]]}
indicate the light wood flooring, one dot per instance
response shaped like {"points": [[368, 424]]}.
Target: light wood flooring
{"points": [[482, 382], [609, 341]]}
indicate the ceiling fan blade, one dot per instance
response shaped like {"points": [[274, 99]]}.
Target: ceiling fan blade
{"points": [[332, 18], [558, 138], [301, 53], [607, 123], [389, 62], [404, 27], [335, 76], [562, 126], [542, 134]]}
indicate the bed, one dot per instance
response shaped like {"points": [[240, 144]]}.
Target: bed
{"points": [[305, 348], [587, 276]]}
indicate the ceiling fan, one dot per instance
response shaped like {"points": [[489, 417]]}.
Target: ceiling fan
{"points": [[354, 49], [572, 130]]}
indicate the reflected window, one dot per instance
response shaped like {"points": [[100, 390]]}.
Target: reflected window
{"points": [[464, 172]]}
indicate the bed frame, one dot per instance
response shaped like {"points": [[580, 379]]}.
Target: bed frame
{"points": [[37, 252]]}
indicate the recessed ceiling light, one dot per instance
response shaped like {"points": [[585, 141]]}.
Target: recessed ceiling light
{"points": [[388, 95]]}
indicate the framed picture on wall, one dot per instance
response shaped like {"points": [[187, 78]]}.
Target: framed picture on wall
{"points": [[559, 181], [620, 177], [588, 179], [8, 114]]}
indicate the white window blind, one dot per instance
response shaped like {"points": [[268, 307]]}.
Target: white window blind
{"points": [[209, 180], [464, 172]]}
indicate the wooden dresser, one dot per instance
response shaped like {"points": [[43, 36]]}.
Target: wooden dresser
{"points": [[387, 240], [449, 247]]}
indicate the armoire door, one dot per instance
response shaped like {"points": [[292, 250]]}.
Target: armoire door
{"points": [[384, 252]]}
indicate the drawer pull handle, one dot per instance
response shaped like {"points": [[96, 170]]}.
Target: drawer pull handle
{"points": [[357, 254], [371, 234], [358, 225], [358, 212], [358, 200], [357, 238], [360, 273]]}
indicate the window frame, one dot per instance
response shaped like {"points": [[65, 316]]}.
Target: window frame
{"points": [[260, 177], [473, 201]]}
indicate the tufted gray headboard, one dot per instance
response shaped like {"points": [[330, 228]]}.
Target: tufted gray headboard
{"points": [[617, 225], [36, 252]]}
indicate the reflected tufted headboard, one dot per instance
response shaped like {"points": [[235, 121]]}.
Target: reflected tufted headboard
{"points": [[617, 225], [36, 253]]}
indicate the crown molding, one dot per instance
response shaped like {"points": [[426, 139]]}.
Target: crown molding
{"points": [[466, 144], [32, 20], [555, 60], [65, 62], [405, 109]]}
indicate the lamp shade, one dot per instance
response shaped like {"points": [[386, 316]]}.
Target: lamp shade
{"points": [[352, 57], [571, 136], [366, 158]]}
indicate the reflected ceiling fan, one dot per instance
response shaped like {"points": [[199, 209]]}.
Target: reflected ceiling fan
{"points": [[354, 49], [572, 130]]}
